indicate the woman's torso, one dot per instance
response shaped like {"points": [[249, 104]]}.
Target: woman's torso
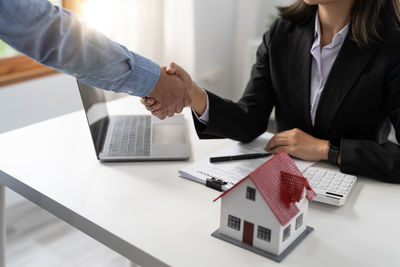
{"points": [[354, 101]]}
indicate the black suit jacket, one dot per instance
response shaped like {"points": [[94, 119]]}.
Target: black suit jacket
{"points": [[360, 100]]}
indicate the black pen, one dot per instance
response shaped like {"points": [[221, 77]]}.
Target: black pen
{"points": [[239, 157]]}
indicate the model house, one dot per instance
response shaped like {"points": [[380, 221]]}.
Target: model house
{"points": [[268, 209]]}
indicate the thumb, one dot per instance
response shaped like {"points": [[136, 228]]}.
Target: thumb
{"points": [[174, 68], [171, 68]]}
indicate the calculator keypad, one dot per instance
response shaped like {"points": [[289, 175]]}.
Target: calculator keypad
{"points": [[329, 182]]}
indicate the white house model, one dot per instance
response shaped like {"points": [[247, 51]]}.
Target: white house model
{"points": [[267, 210]]}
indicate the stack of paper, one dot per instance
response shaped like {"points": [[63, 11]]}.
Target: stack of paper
{"points": [[233, 171]]}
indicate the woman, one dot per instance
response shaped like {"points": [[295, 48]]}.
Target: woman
{"points": [[331, 69]]}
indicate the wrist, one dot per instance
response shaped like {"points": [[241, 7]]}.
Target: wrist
{"points": [[334, 152], [199, 98], [324, 149]]}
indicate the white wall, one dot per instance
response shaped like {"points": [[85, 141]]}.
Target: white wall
{"points": [[214, 38], [40, 99], [253, 19], [179, 44], [223, 28]]}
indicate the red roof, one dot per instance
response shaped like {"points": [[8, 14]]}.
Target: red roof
{"points": [[281, 184]]}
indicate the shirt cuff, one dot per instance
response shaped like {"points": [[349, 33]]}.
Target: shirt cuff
{"points": [[204, 118], [145, 75]]}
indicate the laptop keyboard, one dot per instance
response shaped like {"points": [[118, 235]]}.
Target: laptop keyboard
{"points": [[130, 137]]}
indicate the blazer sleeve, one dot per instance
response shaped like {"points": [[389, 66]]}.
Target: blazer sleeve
{"points": [[381, 161], [248, 118]]}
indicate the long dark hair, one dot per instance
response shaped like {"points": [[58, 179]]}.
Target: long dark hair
{"points": [[366, 20]]}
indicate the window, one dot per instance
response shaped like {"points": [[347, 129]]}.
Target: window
{"points": [[7, 51], [286, 233], [15, 67], [264, 233], [299, 221], [234, 222], [251, 193]]}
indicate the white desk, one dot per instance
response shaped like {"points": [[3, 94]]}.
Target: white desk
{"points": [[148, 214]]}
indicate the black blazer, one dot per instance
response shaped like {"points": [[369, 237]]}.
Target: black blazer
{"points": [[360, 100]]}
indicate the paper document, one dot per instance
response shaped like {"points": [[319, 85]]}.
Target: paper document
{"points": [[233, 171]]}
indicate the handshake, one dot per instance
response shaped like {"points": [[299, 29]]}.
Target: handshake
{"points": [[174, 91]]}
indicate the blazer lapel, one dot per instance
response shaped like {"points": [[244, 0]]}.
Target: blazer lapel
{"points": [[299, 71], [348, 66]]}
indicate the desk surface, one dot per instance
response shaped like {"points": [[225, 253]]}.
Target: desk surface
{"points": [[150, 215]]}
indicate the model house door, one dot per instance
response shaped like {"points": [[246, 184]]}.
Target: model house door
{"points": [[248, 232]]}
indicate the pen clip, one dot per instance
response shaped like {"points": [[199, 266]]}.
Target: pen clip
{"points": [[215, 183]]}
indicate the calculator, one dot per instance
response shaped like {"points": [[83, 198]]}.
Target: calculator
{"points": [[331, 187]]}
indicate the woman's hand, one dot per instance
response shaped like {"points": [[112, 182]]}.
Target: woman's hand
{"points": [[299, 144]]}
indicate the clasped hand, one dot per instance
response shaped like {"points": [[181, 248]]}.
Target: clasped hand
{"points": [[171, 94]]}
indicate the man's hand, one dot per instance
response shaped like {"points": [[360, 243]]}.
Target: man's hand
{"points": [[299, 144], [169, 96]]}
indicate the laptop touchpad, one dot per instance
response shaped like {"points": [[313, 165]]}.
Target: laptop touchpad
{"points": [[167, 134]]}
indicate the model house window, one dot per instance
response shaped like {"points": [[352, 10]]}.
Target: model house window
{"points": [[251, 193], [264, 233], [286, 233], [234, 222], [299, 221]]}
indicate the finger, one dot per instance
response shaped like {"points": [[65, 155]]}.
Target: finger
{"points": [[170, 112], [283, 134], [153, 107], [271, 143], [279, 149], [150, 101], [171, 68], [156, 106], [149, 108], [147, 101], [178, 109], [278, 140], [159, 114]]}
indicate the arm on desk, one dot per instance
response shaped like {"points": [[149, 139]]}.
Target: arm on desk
{"points": [[368, 158]]}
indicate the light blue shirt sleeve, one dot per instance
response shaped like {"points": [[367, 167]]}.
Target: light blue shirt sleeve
{"points": [[55, 37]]}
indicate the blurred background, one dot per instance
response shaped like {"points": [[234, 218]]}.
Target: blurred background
{"points": [[215, 40]]}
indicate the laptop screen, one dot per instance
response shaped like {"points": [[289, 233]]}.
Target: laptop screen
{"points": [[95, 105]]}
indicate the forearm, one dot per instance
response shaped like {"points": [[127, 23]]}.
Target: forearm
{"points": [[55, 37], [235, 120]]}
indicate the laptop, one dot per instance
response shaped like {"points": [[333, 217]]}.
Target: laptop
{"points": [[132, 137]]}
